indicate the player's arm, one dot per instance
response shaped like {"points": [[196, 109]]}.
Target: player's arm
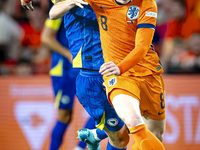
{"points": [[27, 4], [62, 7], [143, 41], [49, 38]]}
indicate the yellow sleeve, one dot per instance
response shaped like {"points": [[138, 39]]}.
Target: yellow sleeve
{"points": [[54, 24], [54, 1]]}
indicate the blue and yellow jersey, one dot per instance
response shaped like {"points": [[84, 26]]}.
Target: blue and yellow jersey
{"points": [[58, 62], [82, 32]]}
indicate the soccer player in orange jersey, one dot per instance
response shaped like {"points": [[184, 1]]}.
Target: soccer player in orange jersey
{"points": [[132, 71]]}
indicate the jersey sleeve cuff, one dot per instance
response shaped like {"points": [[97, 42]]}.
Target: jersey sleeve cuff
{"points": [[146, 25], [121, 70], [54, 24]]}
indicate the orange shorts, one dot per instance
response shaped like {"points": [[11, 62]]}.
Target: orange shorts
{"points": [[149, 90]]}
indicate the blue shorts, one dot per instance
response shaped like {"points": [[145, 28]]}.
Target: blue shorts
{"points": [[65, 88], [92, 96]]}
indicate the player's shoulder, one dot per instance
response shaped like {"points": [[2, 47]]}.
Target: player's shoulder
{"points": [[149, 4], [100, 3], [148, 1]]}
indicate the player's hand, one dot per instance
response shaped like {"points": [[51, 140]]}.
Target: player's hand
{"points": [[27, 5], [109, 67], [79, 3]]}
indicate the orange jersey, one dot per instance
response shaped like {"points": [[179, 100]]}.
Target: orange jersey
{"points": [[119, 25]]}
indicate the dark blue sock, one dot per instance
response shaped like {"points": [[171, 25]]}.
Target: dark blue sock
{"points": [[89, 125], [57, 135], [110, 147], [101, 134]]}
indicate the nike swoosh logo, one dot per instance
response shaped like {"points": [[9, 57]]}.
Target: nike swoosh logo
{"points": [[104, 7], [161, 113]]}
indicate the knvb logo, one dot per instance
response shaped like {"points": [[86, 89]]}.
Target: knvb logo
{"points": [[112, 81], [133, 12]]}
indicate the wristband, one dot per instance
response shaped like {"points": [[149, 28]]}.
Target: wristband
{"points": [[27, 1], [120, 69]]}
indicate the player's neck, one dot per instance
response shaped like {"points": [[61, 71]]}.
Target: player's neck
{"points": [[124, 2]]}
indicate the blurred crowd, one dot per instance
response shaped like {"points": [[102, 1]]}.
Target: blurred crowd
{"points": [[176, 39], [177, 35], [21, 50]]}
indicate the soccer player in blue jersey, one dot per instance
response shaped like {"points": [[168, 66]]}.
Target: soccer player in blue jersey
{"points": [[84, 43], [63, 80]]}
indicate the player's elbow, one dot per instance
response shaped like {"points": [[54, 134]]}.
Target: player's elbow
{"points": [[53, 15], [143, 50]]}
